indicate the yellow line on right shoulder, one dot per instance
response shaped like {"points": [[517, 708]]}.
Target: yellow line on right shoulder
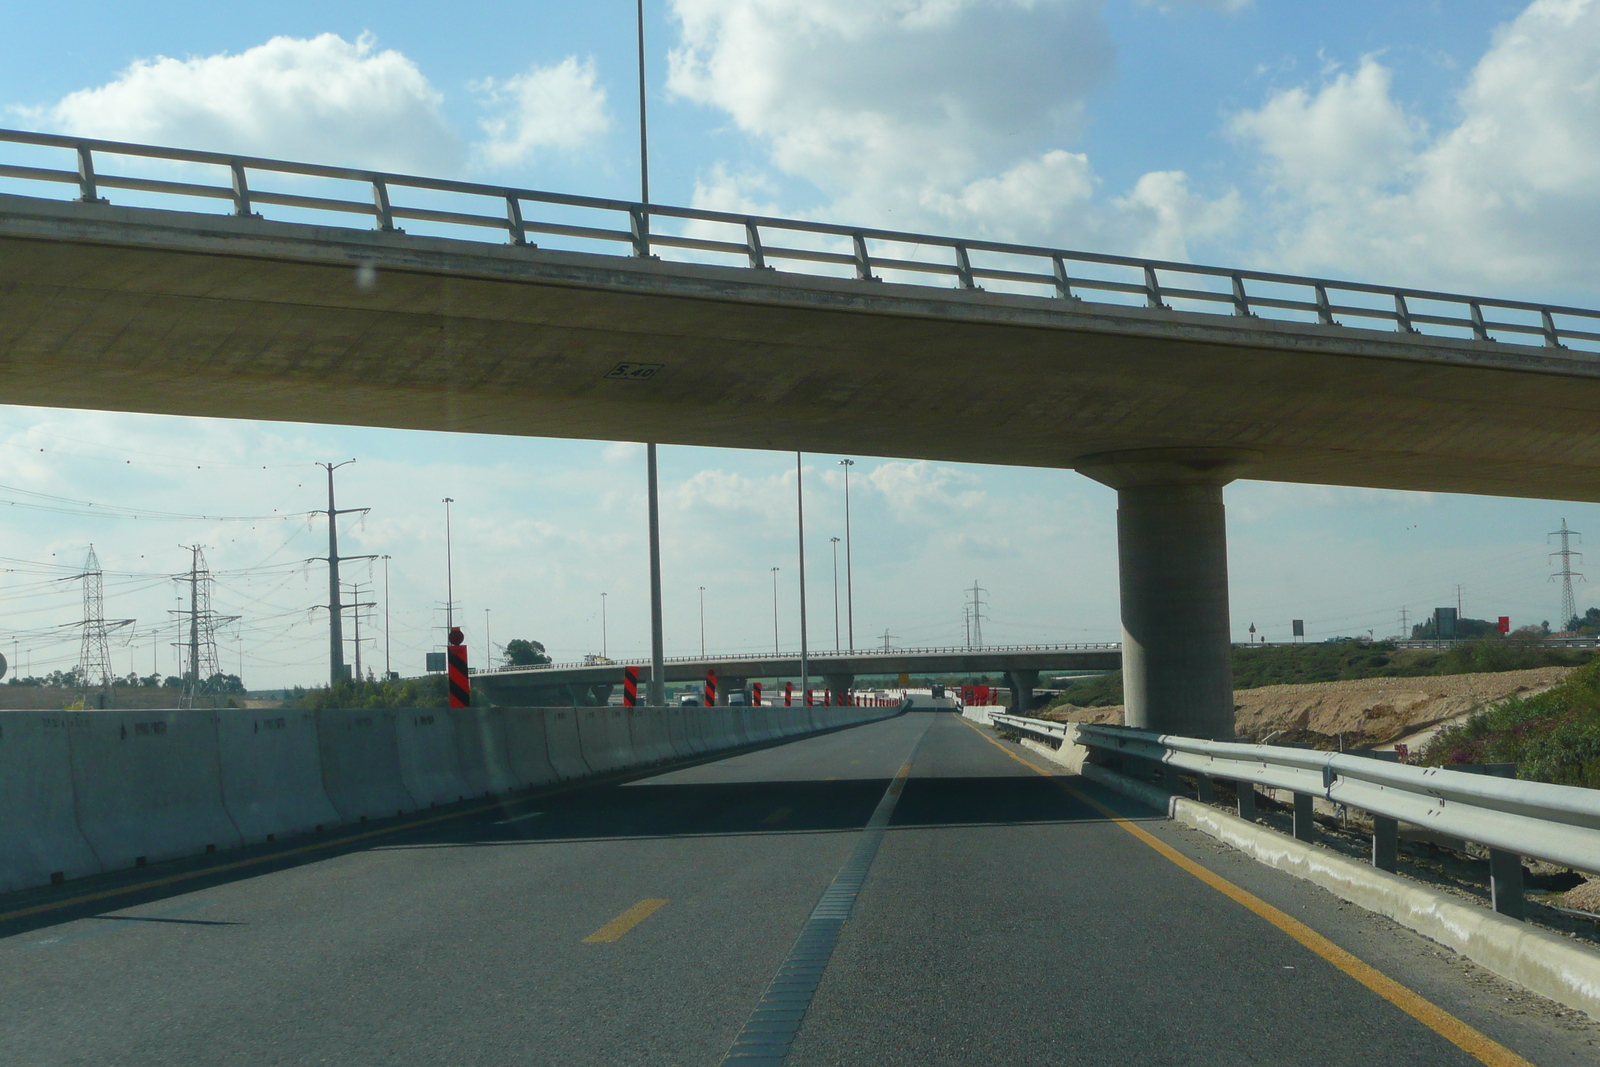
{"points": [[1469, 1040]]}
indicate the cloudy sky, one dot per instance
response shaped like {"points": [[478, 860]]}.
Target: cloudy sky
{"points": [[1444, 145]]}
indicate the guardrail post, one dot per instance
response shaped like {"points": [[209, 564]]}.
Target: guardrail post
{"points": [[1063, 283], [1247, 799], [380, 205], [1152, 290], [519, 235], [639, 227], [1385, 843], [241, 190], [1205, 791], [863, 261], [1505, 883], [964, 268], [1551, 338], [1241, 303], [87, 191], [752, 241], [1480, 331], [1305, 825], [1402, 313], [1324, 309]]}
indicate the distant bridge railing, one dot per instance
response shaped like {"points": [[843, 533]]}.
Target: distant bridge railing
{"points": [[818, 658], [457, 208]]}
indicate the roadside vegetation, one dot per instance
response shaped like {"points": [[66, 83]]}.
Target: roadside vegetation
{"points": [[429, 692], [1337, 661], [1553, 736]]}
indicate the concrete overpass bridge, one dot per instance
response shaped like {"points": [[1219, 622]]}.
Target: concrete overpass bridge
{"points": [[580, 684], [591, 318]]}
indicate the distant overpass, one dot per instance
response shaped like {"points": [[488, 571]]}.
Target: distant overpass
{"points": [[569, 684], [1162, 380]]}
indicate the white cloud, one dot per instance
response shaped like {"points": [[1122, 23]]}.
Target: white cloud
{"points": [[1507, 196], [921, 114], [913, 489], [560, 108], [321, 99]]}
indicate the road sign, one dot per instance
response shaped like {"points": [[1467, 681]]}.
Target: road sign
{"points": [[756, 700], [436, 662], [711, 687], [630, 687]]}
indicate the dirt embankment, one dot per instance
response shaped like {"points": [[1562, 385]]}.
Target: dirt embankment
{"points": [[54, 698], [1366, 711]]}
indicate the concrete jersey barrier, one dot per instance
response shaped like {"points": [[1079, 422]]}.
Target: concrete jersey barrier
{"points": [[271, 772], [82, 792], [39, 833], [565, 748], [147, 784], [483, 751], [361, 764], [527, 747], [430, 767], [647, 730]]}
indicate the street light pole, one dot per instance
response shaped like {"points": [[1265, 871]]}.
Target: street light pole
{"points": [[800, 522], [449, 573], [835, 542], [849, 571], [658, 658], [774, 611], [604, 650], [702, 622], [388, 665]]}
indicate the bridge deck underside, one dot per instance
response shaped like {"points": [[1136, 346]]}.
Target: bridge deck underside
{"points": [[140, 310]]}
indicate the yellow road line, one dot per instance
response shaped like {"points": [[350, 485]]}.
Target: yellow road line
{"points": [[635, 915], [1435, 1018], [778, 816]]}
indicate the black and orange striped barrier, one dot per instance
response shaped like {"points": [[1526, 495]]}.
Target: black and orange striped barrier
{"points": [[460, 683], [630, 687]]}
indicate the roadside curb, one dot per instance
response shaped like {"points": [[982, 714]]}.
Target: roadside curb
{"points": [[1537, 960]]}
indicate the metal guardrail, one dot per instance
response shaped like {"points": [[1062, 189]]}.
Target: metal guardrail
{"points": [[1556, 823], [759, 241], [816, 657]]}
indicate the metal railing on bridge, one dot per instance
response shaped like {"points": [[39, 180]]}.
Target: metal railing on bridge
{"points": [[818, 658], [586, 223]]}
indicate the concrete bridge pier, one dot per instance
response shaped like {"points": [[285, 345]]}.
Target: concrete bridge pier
{"points": [[1172, 547], [1022, 684], [726, 686], [840, 684]]}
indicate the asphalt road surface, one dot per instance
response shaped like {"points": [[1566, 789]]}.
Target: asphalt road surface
{"points": [[1003, 917]]}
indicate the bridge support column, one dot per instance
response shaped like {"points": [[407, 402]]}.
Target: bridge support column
{"points": [[1022, 684], [1177, 670], [726, 686], [839, 684]]}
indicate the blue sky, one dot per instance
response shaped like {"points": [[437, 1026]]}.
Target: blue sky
{"points": [[1448, 145]]}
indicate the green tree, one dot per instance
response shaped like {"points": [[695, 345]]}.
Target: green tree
{"points": [[520, 653]]}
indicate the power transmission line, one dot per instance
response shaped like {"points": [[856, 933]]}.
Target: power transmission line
{"points": [[1569, 606], [976, 615], [203, 662]]}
